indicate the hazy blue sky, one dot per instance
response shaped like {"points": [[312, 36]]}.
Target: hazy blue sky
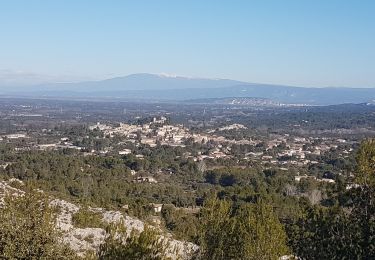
{"points": [[309, 43]]}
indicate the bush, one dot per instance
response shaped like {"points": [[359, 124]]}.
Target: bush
{"points": [[248, 232], [147, 245], [28, 229], [86, 218]]}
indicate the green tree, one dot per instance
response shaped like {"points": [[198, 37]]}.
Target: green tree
{"points": [[183, 225], [86, 218], [28, 229], [266, 235], [147, 245], [337, 232], [366, 163], [324, 234], [247, 232]]}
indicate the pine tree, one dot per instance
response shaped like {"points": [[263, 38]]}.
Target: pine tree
{"points": [[248, 232]]}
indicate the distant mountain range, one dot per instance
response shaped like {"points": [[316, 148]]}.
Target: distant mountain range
{"points": [[166, 88]]}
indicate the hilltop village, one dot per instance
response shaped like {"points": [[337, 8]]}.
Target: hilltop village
{"points": [[280, 151]]}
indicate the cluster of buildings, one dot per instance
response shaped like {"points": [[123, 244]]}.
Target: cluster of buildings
{"points": [[153, 133], [296, 150], [13, 136], [279, 150], [27, 143], [158, 132]]}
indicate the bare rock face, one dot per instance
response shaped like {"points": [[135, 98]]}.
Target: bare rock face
{"points": [[80, 240], [7, 189], [83, 240], [64, 218]]}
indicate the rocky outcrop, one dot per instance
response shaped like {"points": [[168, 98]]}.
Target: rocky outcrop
{"points": [[89, 239], [7, 189], [83, 240]]}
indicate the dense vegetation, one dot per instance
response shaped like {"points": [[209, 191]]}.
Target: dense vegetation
{"points": [[247, 212], [27, 229], [144, 246]]}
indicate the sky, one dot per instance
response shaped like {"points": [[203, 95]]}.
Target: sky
{"points": [[292, 42]]}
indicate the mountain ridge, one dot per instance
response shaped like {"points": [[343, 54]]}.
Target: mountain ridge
{"points": [[165, 87]]}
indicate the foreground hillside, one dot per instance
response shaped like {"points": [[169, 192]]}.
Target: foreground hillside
{"points": [[35, 226], [82, 230]]}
